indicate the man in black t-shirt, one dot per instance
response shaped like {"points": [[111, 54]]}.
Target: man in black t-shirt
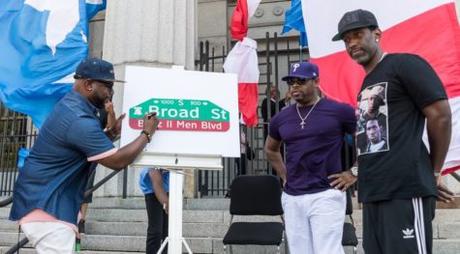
{"points": [[399, 183]]}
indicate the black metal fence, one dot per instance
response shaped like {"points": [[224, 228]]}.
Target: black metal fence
{"points": [[16, 131], [275, 55]]}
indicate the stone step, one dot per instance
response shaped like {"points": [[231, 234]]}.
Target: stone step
{"points": [[116, 230], [3, 249], [139, 203], [10, 238], [205, 229], [8, 226], [124, 215], [112, 244], [135, 244], [446, 223], [444, 216], [140, 228], [140, 215]]}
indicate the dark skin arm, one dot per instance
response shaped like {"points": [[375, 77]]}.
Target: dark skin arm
{"points": [[157, 183], [113, 126], [343, 180], [272, 149], [439, 128], [127, 154]]}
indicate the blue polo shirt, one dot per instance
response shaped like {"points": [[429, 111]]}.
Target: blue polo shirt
{"points": [[55, 173]]}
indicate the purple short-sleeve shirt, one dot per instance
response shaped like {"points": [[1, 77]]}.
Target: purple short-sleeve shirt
{"points": [[313, 153]]}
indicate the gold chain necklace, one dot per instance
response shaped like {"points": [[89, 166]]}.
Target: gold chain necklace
{"points": [[303, 119]]}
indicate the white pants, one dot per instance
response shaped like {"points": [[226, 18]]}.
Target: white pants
{"points": [[314, 222], [50, 237]]}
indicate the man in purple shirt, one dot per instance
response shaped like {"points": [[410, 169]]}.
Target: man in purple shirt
{"points": [[313, 131]]}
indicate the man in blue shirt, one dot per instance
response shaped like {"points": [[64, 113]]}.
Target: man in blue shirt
{"points": [[50, 187]]}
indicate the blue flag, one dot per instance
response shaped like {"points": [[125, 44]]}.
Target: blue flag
{"points": [[41, 44], [294, 20]]}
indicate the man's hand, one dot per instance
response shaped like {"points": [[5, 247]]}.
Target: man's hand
{"points": [[444, 194], [283, 181], [166, 206], [343, 180], [151, 123], [111, 118], [116, 130]]}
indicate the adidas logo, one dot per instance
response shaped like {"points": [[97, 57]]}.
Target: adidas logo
{"points": [[408, 233]]}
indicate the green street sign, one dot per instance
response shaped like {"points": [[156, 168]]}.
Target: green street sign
{"points": [[181, 114]]}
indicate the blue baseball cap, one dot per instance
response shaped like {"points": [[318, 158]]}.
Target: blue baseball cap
{"points": [[96, 69], [303, 70]]}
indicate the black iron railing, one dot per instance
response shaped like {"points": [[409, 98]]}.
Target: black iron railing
{"points": [[270, 50], [24, 241]]}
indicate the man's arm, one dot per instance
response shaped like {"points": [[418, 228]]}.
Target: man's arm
{"points": [[439, 128], [438, 123], [343, 181], [127, 154], [157, 182], [272, 149]]}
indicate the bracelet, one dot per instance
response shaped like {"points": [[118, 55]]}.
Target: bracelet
{"points": [[437, 174], [148, 135], [354, 170]]}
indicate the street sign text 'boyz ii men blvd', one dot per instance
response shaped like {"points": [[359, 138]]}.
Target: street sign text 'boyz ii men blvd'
{"points": [[181, 115]]}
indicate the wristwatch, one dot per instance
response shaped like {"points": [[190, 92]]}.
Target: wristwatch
{"points": [[354, 171], [148, 135]]}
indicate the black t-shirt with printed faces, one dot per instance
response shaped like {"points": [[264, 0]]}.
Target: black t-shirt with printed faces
{"points": [[394, 163]]}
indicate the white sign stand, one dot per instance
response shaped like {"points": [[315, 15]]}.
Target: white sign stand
{"points": [[175, 238], [198, 143], [175, 164]]}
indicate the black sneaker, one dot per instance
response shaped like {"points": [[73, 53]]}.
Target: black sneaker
{"points": [[81, 227]]}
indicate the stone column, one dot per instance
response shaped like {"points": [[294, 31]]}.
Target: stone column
{"points": [[158, 33]]}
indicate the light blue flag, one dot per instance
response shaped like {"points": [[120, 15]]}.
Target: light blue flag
{"points": [[294, 20], [41, 44]]}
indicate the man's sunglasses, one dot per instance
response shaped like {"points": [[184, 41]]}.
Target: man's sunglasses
{"points": [[108, 84], [299, 81]]}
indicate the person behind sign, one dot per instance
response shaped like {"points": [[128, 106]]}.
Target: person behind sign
{"points": [[269, 110], [154, 183], [398, 186], [313, 131], [49, 188]]}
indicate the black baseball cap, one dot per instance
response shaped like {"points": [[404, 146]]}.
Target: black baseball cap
{"points": [[354, 20], [96, 69]]}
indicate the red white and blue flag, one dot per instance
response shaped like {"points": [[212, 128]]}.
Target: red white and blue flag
{"points": [[428, 28], [242, 60]]}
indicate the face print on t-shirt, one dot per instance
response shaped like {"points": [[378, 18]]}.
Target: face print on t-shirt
{"points": [[372, 115]]}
